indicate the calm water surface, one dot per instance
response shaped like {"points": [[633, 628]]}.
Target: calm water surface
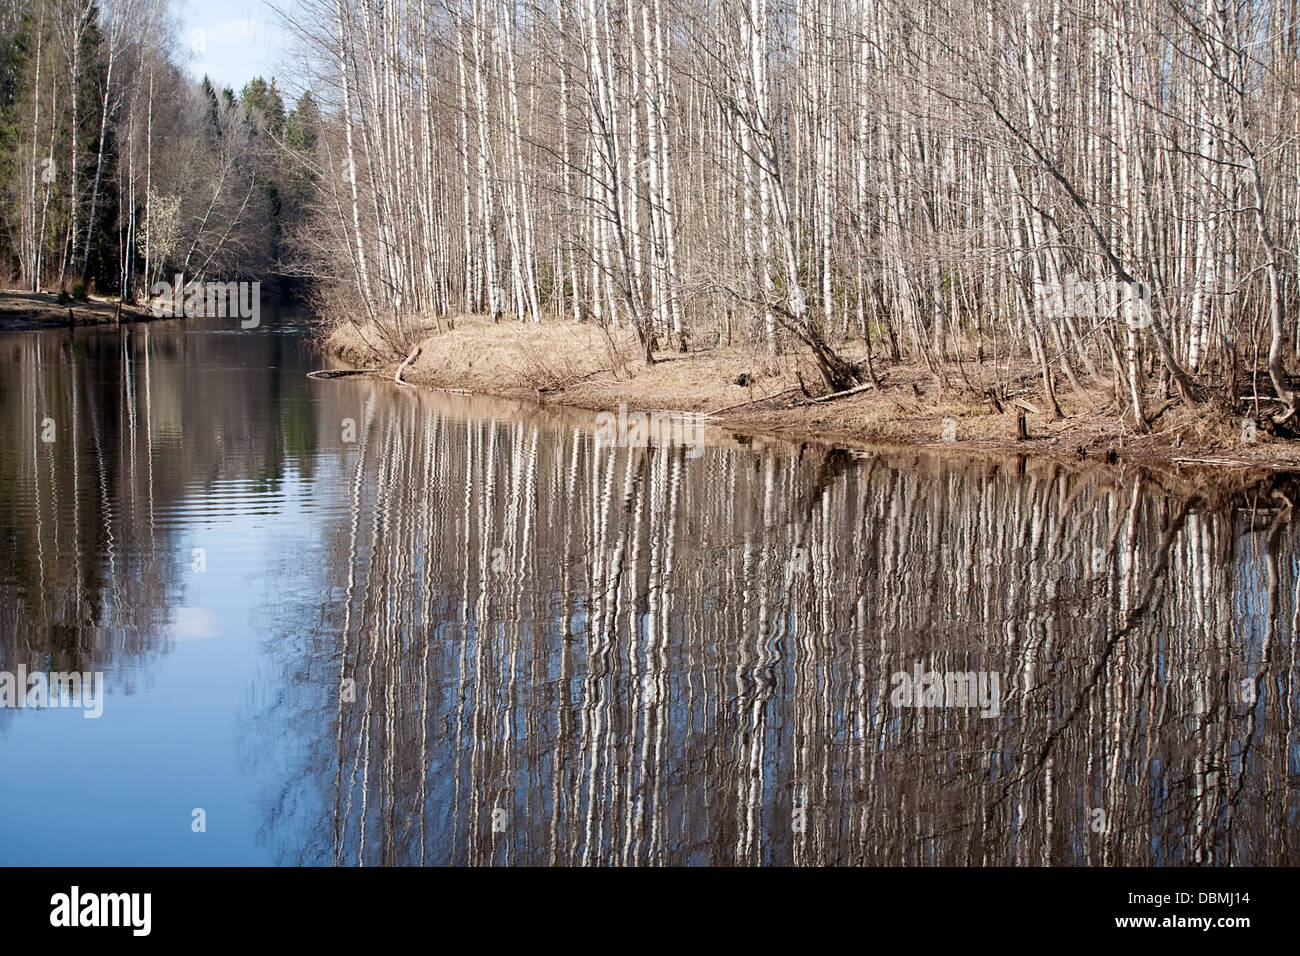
{"points": [[359, 624]]}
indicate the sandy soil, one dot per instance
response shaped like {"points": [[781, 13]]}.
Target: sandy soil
{"points": [[580, 365], [39, 309]]}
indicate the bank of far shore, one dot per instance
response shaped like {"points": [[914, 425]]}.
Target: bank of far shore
{"points": [[741, 387], [36, 310]]}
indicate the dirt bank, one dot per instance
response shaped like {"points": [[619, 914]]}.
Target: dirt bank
{"points": [[40, 310], [743, 388]]}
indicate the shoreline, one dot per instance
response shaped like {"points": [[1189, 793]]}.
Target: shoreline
{"points": [[43, 310], [579, 366]]}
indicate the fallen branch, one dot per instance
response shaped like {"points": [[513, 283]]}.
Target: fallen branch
{"points": [[341, 372], [834, 395], [415, 352], [560, 385], [1236, 462], [754, 401]]}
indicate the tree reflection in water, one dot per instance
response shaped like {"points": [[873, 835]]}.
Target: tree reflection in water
{"points": [[571, 654]]}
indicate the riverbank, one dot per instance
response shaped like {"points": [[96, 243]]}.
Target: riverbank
{"points": [[36, 310], [742, 387]]}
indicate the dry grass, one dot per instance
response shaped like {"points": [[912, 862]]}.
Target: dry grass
{"points": [[42, 308], [584, 366]]}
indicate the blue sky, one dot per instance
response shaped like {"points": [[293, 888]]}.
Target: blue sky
{"points": [[231, 40]]}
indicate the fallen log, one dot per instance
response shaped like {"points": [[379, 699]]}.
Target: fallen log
{"points": [[1233, 462], [415, 353], [340, 372], [834, 395], [754, 401]]}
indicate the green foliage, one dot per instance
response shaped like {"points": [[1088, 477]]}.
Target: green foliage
{"points": [[14, 53], [263, 106], [301, 132], [211, 109], [302, 128]]}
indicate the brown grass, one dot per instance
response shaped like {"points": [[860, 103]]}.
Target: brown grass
{"points": [[582, 365], [42, 308]]}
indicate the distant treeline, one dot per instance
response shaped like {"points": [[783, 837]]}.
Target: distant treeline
{"points": [[117, 169]]}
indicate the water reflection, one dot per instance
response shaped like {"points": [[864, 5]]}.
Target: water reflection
{"points": [[563, 653], [474, 635], [112, 444]]}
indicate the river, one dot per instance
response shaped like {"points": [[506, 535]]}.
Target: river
{"points": [[345, 622]]}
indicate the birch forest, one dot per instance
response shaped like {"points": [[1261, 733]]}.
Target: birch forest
{"points": [[117, 169], [1102, 195], [609, 478]]}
